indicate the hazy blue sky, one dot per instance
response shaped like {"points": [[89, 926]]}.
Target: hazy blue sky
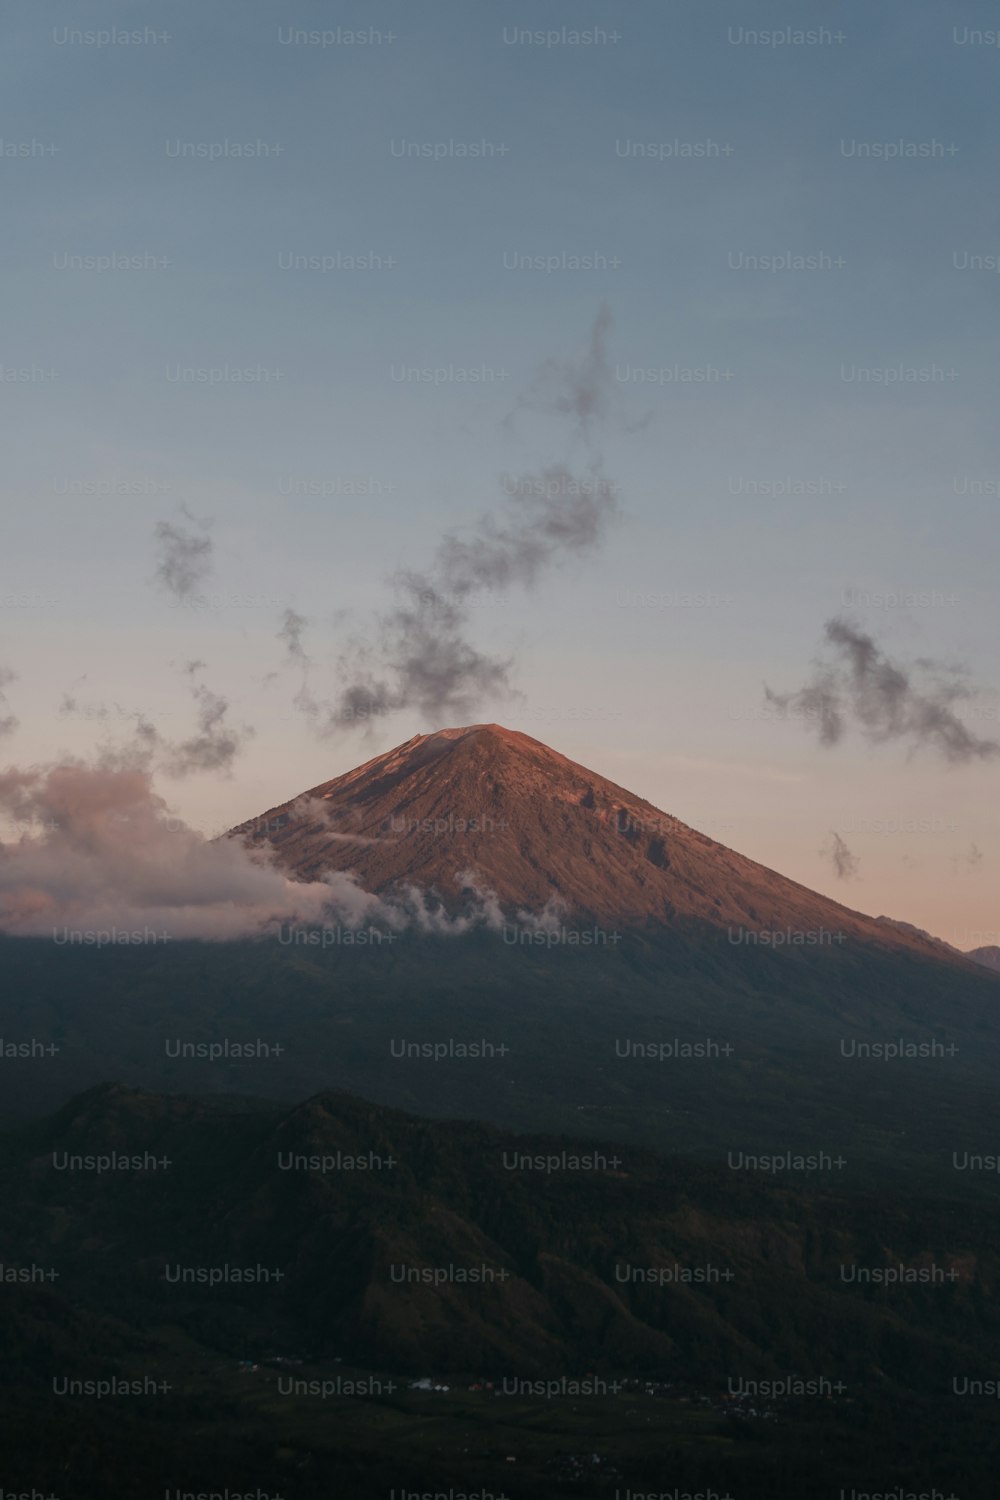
{"points": [[895, 482]]}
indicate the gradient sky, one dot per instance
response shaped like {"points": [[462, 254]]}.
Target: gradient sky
{"points": [[902, 480]]}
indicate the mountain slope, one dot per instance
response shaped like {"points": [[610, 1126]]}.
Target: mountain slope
{"points": [[491, 806], [667, 1290], [549, 1291]]}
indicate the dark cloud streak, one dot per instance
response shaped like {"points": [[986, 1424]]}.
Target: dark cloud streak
{"points": [[185, 555], [845, 864], [419, 654], [887, 702]]}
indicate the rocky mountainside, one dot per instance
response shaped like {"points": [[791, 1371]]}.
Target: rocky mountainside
{"points": [[485, 807]]}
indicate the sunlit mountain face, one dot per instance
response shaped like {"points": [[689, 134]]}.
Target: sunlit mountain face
{"points": [[489, 816]]}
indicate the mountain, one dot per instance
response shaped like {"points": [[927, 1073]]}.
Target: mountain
{"points": [[288, 1301], [988, 957], [338, 1194], [483, 806], [726, 1007], [920, 932]]}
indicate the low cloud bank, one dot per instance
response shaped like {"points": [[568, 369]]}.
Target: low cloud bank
{"points": [[94, 848]]}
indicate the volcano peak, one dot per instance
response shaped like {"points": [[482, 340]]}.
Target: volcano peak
{"points": [[535, 827]]}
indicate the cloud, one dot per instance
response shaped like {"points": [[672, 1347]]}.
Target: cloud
{"points": [[548, 516], [420, 658], [291, 631], [99, 851], [214, 746], [845, 864], [913, 705], [102, 852], [8, 722], [419, 654], [71, 704], [969, 861], [185, 555], [549, 920], [292, 626], [580, 388], [309, 813]]}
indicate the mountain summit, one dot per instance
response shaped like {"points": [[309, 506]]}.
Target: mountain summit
{"points": [[488, 807]]}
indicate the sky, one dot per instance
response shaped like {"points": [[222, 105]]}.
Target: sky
{"points": [[297, 282]]}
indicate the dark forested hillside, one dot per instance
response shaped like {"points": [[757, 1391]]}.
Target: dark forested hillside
{"points": [[276, 1270]]}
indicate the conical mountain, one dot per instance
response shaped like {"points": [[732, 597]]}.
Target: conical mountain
{"points": [[487, 807]]}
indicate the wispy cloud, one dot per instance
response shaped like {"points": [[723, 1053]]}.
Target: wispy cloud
{"points": [[292, 627], [8, 721], [862, 688], [971, 859], [215, 744], [842, 861], [212, 747], [184, 554], [418, 654]]}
